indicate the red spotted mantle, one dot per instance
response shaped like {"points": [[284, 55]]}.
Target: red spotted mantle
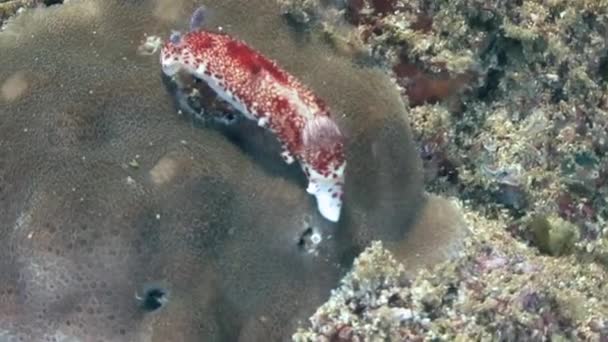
{"points": [[262, 91]]}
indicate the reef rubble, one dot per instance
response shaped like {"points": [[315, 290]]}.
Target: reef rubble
{"points": [[508, 110]]}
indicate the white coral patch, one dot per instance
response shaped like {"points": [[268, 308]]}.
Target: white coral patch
{"points": [[150, 46], [14, 87], [164, 171]]}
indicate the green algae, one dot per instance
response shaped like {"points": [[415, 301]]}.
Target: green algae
{"points": [[553, 235]]}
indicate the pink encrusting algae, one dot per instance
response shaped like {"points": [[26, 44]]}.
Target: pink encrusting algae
{"points": [[262, 91]]}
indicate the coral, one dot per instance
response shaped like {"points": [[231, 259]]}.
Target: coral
{"points": [[9, 8], [508, 109], [515, 94], [372, 282], [105, 189], [493, 291], [437, 234]]}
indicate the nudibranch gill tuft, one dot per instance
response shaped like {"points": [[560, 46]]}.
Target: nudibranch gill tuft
{"points": [[262, 91]]}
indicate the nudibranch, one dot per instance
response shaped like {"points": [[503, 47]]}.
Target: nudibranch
{"points": [[261, 90]]}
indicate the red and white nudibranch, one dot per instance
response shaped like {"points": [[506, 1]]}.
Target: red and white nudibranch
{"points": [[262, 91]]}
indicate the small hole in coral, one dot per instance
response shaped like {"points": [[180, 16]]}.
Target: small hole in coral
{"points": [[603, 68], [52, 2], [309, 240], [305, 237], [153, 299]]}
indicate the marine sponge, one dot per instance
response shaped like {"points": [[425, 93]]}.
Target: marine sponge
{"points": [[103, 189]]}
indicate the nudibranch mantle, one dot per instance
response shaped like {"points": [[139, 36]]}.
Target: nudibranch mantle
{"points": [[262, 91]]}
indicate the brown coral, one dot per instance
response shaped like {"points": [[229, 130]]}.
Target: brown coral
{"points": [[105, 190]]}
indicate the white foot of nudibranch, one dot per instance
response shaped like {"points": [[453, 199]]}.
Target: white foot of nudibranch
{"points": [[328, 202]]}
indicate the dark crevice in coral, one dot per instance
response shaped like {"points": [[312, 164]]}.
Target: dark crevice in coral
{"points": [[449, 170], [384, 7], [297, 25], [305, 237], [153, 299], [483, 23], [476, 193], [590, 19], [430, 310], [359, 308], [504, 50], [52, 2], [348, 254], [490, 86], [206, 111], [353, 9], [264, 149], [513, 198], [603, 68], [309, 240], [396, 301], [507, 49], [380, 8], [558, 95]]}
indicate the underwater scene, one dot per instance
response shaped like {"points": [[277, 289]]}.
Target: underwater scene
{"points": [[303, 170]]}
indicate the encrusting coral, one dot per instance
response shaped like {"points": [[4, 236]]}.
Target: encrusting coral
{"points": [[122, 221], [9, 8], [508, 100], [493, 291], [507, 106]]}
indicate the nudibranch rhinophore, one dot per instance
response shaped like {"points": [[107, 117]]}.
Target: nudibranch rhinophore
{"points": [[262, 91]]}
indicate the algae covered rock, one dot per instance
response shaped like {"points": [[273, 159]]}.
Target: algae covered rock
{"points": [[553, 235], [496, 289]]}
